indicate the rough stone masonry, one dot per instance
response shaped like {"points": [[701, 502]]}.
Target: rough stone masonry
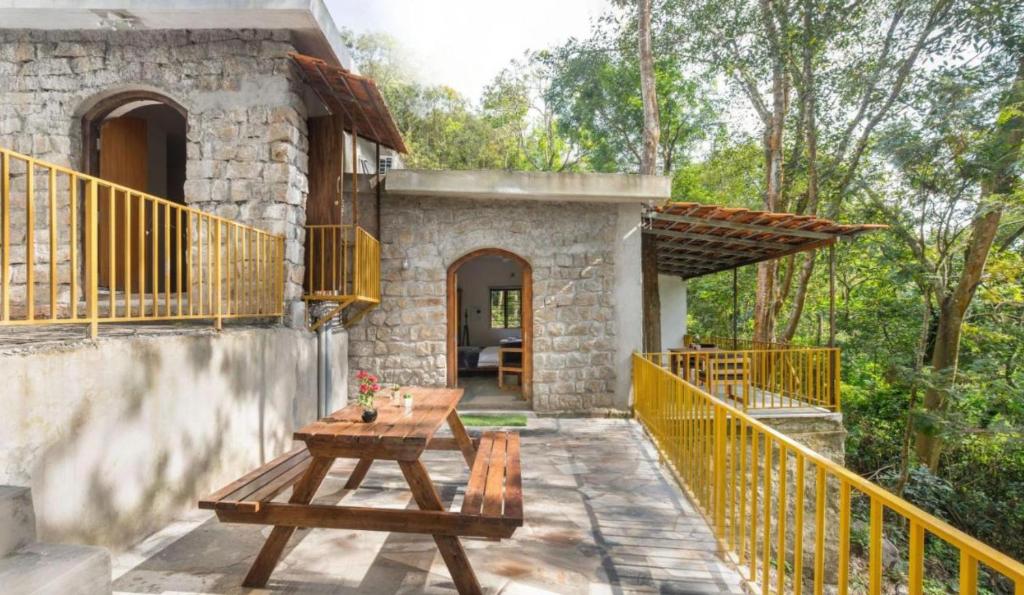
{"points": [[246, 144], [576, 255]]}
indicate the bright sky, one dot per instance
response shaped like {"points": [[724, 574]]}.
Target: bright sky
{"points": [[464, 43]]}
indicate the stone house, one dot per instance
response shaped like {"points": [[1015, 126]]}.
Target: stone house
{"points": [[243, 133]]}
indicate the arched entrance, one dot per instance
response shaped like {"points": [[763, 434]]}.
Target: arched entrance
{"points": [[477, 327], [137, 139]]}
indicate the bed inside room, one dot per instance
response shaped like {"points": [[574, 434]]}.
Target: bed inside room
{"points": [[490, 343]]}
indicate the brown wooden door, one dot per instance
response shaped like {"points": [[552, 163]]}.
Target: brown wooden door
{"points": [[124, 160], [326, 151]]}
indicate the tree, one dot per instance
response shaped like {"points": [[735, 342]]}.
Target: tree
{"points": [[953, 166], [596, 94], [831, 56], [649, 166], [516, 104]]}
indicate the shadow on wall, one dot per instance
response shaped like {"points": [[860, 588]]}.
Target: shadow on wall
{"points": [[133, 432]]}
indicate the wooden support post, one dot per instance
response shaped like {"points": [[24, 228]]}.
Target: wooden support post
{"points": [[832, 295], [358, 474], [651, 298], [270, 554], [451, 549], [735, 307]]}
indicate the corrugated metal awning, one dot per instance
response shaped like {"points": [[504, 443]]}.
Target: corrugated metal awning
{"points": [[696, 239], [354, 96]]}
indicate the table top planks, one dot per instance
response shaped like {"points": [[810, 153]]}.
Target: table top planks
{"points": [[393, 426]]}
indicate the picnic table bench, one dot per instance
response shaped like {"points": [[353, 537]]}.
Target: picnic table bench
{"points": [[492, 506]]}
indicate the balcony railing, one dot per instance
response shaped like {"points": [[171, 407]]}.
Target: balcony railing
{"points": [[782, 512], [77, 249], [737, 343], [342, 266], [762, 378]]}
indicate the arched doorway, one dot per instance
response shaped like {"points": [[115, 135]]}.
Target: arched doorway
{"points": [[490, 306], [137, 139]]}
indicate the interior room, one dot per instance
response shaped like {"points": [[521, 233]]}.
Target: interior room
{"points": [[490, 330]]}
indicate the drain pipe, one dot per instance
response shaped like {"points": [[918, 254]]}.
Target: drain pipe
{"points": [[323, 370]]}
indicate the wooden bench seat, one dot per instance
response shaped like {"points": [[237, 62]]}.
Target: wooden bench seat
{"points": [[248, 492], [495, 489]]}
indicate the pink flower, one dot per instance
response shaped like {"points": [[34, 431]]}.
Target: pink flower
{"points": [[362, 374], [372, 378], [376, 387]]}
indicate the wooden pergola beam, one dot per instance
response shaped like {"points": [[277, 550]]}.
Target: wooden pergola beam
{"points": [[712, 251], [755, 227], [690, 235]]}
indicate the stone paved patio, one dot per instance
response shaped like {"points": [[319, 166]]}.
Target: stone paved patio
{"points": [[601, 517]]}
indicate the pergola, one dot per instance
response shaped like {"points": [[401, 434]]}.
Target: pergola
{"points": [[695, 239]]}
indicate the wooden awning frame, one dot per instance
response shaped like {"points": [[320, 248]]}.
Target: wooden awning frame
{"points": [[697, 239], [354, 96]]}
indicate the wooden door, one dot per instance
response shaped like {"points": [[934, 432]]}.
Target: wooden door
{"points": [[326, 152], [124, 160]]}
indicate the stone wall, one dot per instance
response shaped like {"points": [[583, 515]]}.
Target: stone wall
{"points": [[246, 142], [118, 437], [580, 258]]}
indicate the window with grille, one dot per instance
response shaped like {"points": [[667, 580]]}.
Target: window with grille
{"points": [[384, 165], [506, 307]]}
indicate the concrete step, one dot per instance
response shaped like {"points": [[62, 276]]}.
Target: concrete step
{"points": [[56, 569], [17, 519]]}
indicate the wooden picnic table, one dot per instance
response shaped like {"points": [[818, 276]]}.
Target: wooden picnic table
{"points": [[492, 506]]}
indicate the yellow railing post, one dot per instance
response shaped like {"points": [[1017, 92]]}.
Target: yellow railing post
{"points": [[218, 307], [92, 258], [719, 462], [5, 229]]}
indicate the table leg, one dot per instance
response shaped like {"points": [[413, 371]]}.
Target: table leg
{"points": [[451, 549], [356, 479], [271, 551], [462, 438]]}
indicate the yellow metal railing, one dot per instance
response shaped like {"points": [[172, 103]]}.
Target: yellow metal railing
{"points": [[367, 273], [762, 378], [782, 512], [77, 249], [342, 264]]}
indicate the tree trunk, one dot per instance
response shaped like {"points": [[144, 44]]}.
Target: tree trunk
{"points": [[808, 103], [764, 302], [999, 181], [649, 166]]}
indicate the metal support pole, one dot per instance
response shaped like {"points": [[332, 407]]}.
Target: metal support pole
{"points": [[832, 295], [735, 307], [379, 180], [355, 179]]}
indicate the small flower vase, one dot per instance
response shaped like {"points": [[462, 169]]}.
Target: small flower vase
{"points": [[408, 403], [369, 414]]}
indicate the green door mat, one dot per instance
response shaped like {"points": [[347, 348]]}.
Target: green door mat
{"points": [[511, 419]]}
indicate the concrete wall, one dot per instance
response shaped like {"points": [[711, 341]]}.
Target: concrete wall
{"points": [[672, 291], [586, 285], [246, 144], [116, 438]]}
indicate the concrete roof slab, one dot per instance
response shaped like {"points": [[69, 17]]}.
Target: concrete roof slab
{"points": [[499, 184], [314, 29]]}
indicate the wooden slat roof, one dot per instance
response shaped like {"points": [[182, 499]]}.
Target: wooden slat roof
{"points": [[354, 96], [697, 239]]}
